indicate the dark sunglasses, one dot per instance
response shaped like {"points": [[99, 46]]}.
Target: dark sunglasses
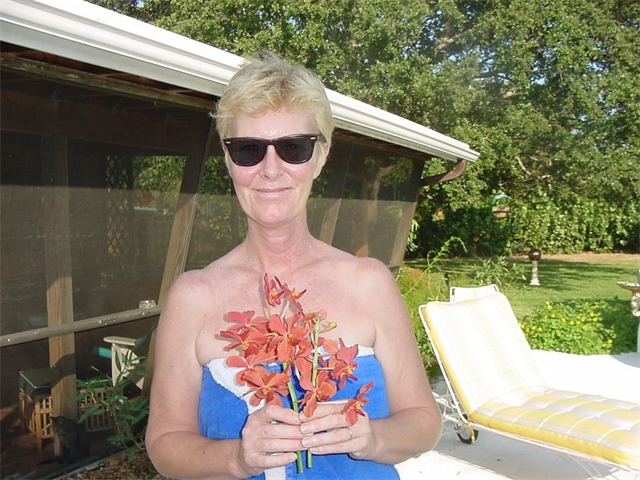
{"points": [[249, 151]]}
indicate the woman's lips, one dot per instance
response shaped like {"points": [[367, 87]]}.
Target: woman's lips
{"points": [[271, 191]]}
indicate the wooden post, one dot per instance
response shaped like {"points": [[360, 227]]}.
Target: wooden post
{"points": [[182, 227], [58, 275]]}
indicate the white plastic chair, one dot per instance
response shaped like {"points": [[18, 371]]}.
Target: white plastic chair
{"points": [[123, 355]]}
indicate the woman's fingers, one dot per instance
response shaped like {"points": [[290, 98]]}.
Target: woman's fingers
{"points": [[323, 409], [338, 440], [328, 431], [276, 413], [328, 416], [270, 439], [273, 429]]}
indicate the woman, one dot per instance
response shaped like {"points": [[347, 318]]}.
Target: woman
{"points": [[276, 125]]}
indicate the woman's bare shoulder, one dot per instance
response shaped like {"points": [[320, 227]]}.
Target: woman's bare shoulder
{"points": [[192, 282], [204, 278], [363, 276], [361, 268], [196, 293]]}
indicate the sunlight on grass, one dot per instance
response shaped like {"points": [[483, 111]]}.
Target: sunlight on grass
{"points": [[562, 280]]}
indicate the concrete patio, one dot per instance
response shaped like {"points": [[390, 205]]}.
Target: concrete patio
{"points": [[496, 457]]}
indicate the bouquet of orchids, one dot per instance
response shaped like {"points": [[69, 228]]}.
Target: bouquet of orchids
{"points": [[291, 338]]}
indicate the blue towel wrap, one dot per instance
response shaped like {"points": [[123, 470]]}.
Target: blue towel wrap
{"points": [[223, 411]]}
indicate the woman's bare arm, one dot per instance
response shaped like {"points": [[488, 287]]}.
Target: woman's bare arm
{"points": [[415, 424]]}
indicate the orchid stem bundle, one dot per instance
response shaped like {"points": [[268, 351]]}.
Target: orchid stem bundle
{"points": [[278, 352]]}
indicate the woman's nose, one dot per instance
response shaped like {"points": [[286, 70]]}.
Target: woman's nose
{"points": [[271, 163]]}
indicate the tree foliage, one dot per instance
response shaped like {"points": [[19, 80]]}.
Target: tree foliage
{"points": [[547, 91], [555, 112]]}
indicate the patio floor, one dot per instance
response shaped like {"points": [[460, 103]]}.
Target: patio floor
{"points": [[20, 457], [496, 457], [490, 457]]}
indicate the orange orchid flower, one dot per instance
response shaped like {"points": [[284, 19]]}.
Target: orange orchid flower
{"points": [[249, 341], [270, 386], [303, 365], [241, 318], [330, 346], [322, 391], [245, 320], [292, 295], [296, 342], [353, 408], [271, 293], [289, 335], [342, 364], [248, 363]]}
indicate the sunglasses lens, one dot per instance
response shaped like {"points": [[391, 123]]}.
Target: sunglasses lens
{"points": [[295, 149], [247, 152]]}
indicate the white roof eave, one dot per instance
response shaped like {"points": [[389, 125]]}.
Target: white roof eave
{"points": [[85, 32]]}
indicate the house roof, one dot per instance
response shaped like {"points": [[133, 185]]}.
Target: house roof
{"points": [[78, 31]]}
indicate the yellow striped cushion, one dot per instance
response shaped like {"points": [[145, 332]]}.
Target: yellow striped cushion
{"points": [[590, 424], [493, 373], [487, 354]]}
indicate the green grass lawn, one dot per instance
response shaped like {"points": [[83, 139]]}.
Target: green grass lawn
{"points": [[583, 277], [562, 279]]}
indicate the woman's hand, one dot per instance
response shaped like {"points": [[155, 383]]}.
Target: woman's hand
{"points": [[269, 439], [328, 431]]}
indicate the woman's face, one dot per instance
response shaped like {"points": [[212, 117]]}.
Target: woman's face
{"points": [[274, 192]]}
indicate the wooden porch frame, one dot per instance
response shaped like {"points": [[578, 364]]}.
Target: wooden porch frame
{"points": [[181, 230]]}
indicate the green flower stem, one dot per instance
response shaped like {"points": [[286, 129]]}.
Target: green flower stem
{"points": [[314, 371], [316, 354], [296, 408]]}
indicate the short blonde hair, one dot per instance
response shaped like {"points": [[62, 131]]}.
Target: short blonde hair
{"points": [[270, 83]]}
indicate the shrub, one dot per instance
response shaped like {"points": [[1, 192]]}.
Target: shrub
{"points": [[586, 328], [498, 271], [129, 414], [419, 286], [560, 224]]}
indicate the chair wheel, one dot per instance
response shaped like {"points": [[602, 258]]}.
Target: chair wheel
{"points": [[466, 434]]}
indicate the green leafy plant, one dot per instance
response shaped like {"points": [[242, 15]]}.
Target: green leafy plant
{"points": [[419, 286], [572, 224], [413, 234], [128, 413], [586, 328], [498, 271]]}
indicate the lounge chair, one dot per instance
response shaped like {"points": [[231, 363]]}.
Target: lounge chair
{"points": [[495, 385], [464, 293]]}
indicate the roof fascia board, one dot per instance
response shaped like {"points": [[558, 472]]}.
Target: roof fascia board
{"points": [[91, 34], [365, 119], [85, 32]]}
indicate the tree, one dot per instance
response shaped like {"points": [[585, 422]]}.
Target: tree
{"points": [[560, 82], [558, 96], [547, 91]]}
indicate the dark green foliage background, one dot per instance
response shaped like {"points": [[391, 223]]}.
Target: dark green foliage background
{"points": [[548, 92]]}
